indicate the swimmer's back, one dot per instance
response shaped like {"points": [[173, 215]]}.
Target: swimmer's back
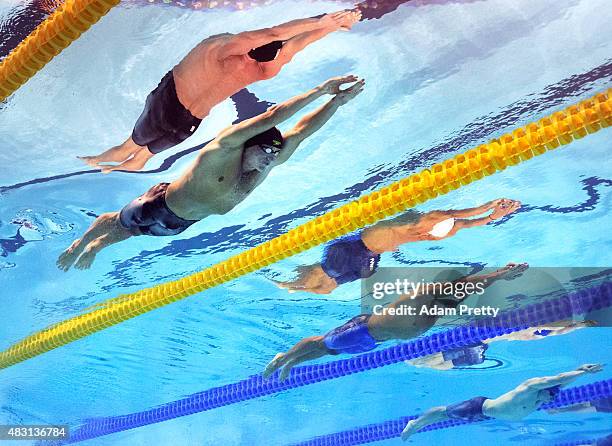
{"points": [[204, 78]]}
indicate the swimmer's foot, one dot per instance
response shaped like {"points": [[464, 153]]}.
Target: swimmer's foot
{"points": [[409, 430], [90, 160], [134, 164], [117, 154], [273, 365], [89, 253], [110, 156], [512, 271], [85, 260], [289, 286], [68, 257]]}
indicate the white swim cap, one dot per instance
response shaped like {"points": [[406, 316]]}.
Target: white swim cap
{"points": [[442, 228]]}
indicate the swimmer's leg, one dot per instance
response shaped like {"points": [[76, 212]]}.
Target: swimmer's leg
{"points": [[305, 350], [102, 226], [93, 248], [115, 154], [433, 415], [135, 163]]}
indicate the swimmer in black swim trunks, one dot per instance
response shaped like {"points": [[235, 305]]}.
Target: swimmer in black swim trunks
{"points": [[356, 256], [214, 70], [364, 332], [224, 173], [512, 406]]}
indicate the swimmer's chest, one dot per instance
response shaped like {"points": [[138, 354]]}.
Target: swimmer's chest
{"points": [[229, 191]]}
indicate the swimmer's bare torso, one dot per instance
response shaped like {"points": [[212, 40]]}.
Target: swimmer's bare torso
{"points": [[207, 76], [214, 184]]}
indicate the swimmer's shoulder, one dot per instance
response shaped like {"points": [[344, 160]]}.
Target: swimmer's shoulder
{"points": [[209, 46], [217, 39]]}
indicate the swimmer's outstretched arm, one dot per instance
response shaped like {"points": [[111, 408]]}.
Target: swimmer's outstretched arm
{"points": [[235, 135], [312, 122], [580, 407], [434, 361], [509, 272], [433, 415], [562, 379], [468, 212], [301, 41], [501, 208], [561, 328], [244, 42]]}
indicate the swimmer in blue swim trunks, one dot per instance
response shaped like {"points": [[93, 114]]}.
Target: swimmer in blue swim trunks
{"points": [[366, 331], [355, 257], [512, 406], [475, 354], [214, 70], [223, 174]]}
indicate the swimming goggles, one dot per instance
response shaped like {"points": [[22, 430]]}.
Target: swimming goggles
{"points": [[270, 149]]}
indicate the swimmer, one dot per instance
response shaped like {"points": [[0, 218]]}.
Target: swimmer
{"points": [[602, 405], [214, 70], [364, 332], [475, 354], [224, 173], [512, 406], [356, 256]]}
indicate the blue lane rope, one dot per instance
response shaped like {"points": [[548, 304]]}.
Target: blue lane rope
{"points": [[394, 428], [552, 310], [599, 441]]}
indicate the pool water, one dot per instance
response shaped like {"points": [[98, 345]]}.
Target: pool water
{"points": [[441, 77]]}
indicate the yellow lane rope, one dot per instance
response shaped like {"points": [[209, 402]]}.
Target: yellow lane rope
{"points": [[55, 33], [522, 144]]}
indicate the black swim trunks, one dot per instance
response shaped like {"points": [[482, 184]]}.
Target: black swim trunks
{"points": [[164, 122], [150, 215], [470, 410]]}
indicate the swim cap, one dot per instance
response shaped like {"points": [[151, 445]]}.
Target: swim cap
{"points": [[271, 137], [441, 229], [466, 356], [267, 52]]}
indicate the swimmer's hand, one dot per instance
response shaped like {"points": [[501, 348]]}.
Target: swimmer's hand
{"points": [[409, 430], [350, 93], [512, 270], [341, 20], [332, 86], [585, 323], [503, 207], [590, 368], [305, 350]]}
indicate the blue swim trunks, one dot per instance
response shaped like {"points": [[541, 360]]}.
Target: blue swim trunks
{"points": [[348, 259], [469, 410], [352, 337]]}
